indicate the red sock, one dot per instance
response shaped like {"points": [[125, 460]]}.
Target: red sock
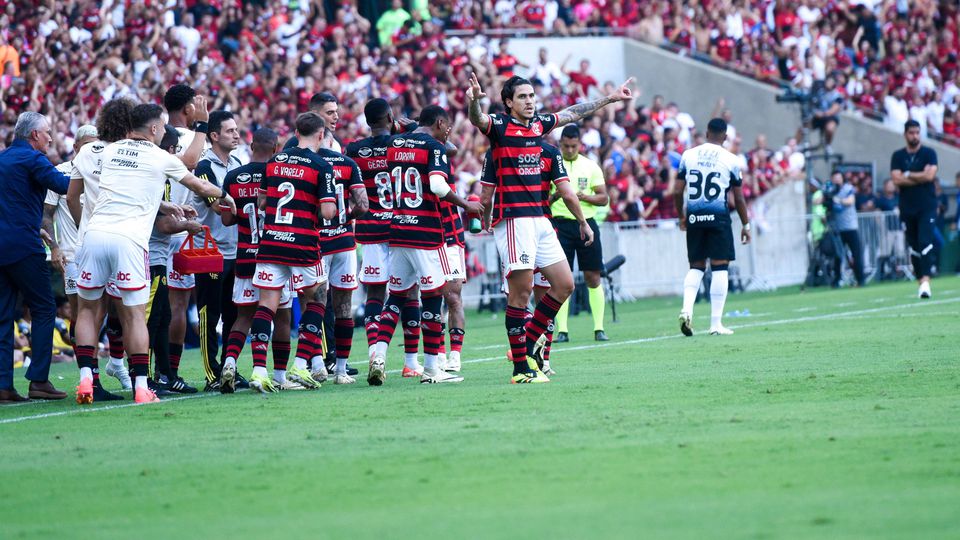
{"points": [[515, 334], [260, 331], [343, 336], [176, 351], [456, 339], [389, 318], [281, 354], [410, 316], [542, 319], [371, 318], [139, 364], [310, 343]]}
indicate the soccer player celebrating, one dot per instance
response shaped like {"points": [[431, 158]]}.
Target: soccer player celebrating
{"points": [[243, 184], [299, 192], [525, 238], [705, 175], [419, 170], [114, 253]]}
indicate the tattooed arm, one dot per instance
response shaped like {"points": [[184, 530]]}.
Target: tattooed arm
{"points": [[474, 95], [577, 112]]}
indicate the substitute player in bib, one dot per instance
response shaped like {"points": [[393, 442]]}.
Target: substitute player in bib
{"points": [[419, 170], [525, 238], [299, 192], [243, 184], [705, 176], [115, 242]]}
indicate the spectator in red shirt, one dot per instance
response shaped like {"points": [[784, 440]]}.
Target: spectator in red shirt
{"points": [[583, 80]]}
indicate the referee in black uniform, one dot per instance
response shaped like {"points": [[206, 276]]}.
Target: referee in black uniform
{"points": [[914, 170]]}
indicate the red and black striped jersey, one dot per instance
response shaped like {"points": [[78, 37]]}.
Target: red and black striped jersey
{"points": [[516, 150], [371, 156], [243, 184], [336, 235], [297, 181], [504, 64], [417, 218], [552, 171], [452, 224]]}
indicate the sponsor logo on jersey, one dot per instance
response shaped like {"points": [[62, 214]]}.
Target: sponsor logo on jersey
{"points": [[399, 142], [281, 158], [86, 275], [394, 280], [348, 278], [694, 218], [426, 280], [243, 178], [248, 293], [297, 279], [365, 152], [123, 276], [264, 276]]}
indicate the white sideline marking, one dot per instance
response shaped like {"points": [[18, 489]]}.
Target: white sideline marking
{"points": [[810, 318]]}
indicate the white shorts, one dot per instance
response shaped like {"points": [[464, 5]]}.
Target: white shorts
{"points": [[342, 269], [70, 275], [116, 263], [457, 263], [376, 264], [246, 294], [278, 276], [411, 267], [527, 244], [540, 281], [176, 280]]}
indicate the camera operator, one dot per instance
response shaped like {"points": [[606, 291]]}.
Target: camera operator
{"points": [[843, 221], [827, 103]]}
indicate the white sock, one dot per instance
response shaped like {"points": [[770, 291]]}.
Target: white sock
{"points": [[116, 362], [317, 362], [300, 363], [230, 361], [141, 381], [86, 373], [371, 349], [341, 366], [429, 361], [280, 375], [454, 356], [410, 360], [380, 348], [718, 296], [691, 285], [260, 370]]}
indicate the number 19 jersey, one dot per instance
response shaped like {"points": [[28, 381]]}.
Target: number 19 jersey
{"points": [[709, 170], [417, 218], [297, 181]]}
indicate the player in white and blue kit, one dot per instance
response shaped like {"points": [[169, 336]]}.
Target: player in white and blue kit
{"points": [[706, 175]]}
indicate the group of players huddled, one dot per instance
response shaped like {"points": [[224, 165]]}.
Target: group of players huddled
{"points": [[288, 223]]}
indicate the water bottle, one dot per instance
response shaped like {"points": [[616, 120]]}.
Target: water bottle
{"points": [[475, 226]]}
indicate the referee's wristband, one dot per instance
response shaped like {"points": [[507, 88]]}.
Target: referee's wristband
{"points": [[201, 127], [746, 226]]}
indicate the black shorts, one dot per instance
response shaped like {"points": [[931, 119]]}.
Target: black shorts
{"points": [[590, 258], [821, 122], [714, 243]]}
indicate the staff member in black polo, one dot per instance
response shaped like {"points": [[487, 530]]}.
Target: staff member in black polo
{"points": [[586, 177], [914, 170], [26, 176]]}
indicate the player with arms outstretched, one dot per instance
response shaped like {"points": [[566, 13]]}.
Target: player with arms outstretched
{"points": [[705, 175], [525, 238]]}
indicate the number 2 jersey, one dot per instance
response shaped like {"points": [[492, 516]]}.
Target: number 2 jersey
{"points": [[243, 184], [709, 170], [336, 235], [417, 211], [297, 181]]}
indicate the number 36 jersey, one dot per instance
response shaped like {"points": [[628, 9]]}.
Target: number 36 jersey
{"points": [[417, 218], [709, 170], [296, 182]]}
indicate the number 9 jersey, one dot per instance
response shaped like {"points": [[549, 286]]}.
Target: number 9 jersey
{"points": [[297, 181], [708, 170], [417, 218]]}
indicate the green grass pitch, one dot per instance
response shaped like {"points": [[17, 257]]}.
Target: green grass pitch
{"points": [[830, 414]]}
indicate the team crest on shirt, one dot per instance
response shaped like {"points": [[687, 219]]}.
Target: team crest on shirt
{"points": [[365, 152], [243, 178], [537, 129]]}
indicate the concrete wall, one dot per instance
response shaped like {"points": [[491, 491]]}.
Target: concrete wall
{"points": [[604, 53]]}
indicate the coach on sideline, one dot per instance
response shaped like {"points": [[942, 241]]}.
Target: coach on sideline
{"points": [[25, 176], [587, 179]]}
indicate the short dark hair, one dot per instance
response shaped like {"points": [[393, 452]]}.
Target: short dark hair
{"points": [[143, 114], [113, 121], [376, 111], [910, 124], [309, 123], [570, 131], [264, 138], [319, 99], [717, 126], [510, 87], [171, 138], [217, 118], [431, 114], [178, 96]]}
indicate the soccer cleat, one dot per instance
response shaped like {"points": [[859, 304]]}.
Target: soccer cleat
{"points": [[686, 324], [121, 374], [228, 379], [262, 384], [529, 377], [320, 374], [376, 373], [159, 388], [180, 386], [547, 370], [288, 385], [241, 383], [343, 378], [302, 377], [436, 376], [214, 386], [924, 290], [85, 392], [408, 373], [562, 337], [721, 331], [101, 394], [600, 335], [453, 363], [537, 357], [145, 395]]}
